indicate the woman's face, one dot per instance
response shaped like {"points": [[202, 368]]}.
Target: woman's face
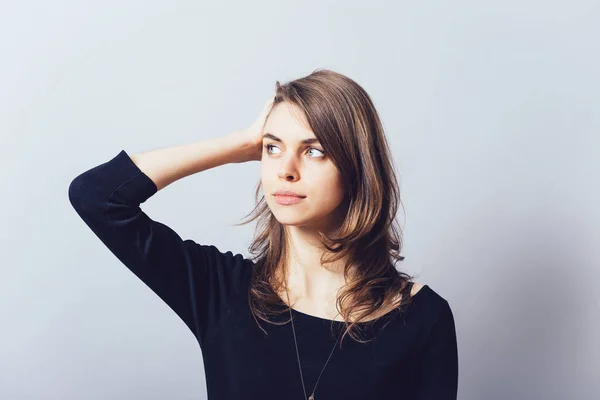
{"points": [[288, 163]]}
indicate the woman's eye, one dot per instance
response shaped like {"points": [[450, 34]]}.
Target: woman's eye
{"points": [[269, 147], [320, 151]]}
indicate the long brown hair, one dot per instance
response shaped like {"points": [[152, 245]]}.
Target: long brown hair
{"points": [[342, 116]]}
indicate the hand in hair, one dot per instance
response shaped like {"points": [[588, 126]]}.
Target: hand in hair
{"points": [[253, 135]]}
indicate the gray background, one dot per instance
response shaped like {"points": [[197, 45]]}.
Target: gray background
{"points": [[492, 111]]}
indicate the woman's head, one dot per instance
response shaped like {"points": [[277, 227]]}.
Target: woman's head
{"points": [[350, 160], [346, 172]]}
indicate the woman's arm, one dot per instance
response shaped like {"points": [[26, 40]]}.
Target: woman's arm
{"points": [[439, 366], [195, 280], [165, 166]]}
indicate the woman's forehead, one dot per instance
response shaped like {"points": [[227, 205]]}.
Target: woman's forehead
{"points": [[288, 126]]}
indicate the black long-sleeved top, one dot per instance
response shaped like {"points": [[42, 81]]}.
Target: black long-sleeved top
{"points": [[414, 356]]}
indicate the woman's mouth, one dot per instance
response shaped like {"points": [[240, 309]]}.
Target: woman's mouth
{"points": [[288, 200]]}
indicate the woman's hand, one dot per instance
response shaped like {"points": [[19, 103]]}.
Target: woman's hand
{"points": [[252, 137]]}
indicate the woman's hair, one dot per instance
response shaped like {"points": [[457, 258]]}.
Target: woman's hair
{"points": [[342, 116]]}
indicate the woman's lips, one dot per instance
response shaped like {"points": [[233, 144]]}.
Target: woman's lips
{"points": [[288, 200]]}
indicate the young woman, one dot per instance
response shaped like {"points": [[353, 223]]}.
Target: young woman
{"points": [[323, 271]]}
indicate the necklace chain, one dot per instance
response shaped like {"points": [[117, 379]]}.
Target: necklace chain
{"points": [[312, 396]]}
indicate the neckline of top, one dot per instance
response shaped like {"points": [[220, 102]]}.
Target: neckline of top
{"points": [[321, 319]]}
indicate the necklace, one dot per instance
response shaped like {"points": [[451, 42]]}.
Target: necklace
{"points": [[312, 396]]}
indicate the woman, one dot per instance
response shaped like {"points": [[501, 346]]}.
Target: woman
{"points": [[272, 326]]}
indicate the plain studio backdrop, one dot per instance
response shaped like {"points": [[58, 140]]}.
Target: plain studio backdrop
{"points": [[492, 112]]}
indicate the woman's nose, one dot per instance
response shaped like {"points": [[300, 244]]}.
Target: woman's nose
{"points": [[288, 169]]}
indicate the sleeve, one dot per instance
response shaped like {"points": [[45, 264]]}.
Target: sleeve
{"points": [[439, 365], [195, 281]]}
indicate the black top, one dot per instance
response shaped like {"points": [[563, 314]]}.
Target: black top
{"points": [[413, 356]]}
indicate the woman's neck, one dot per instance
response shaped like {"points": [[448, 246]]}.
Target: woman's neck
{"points": [[308, 278]]}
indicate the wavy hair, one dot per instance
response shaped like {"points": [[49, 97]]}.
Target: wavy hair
{"points": [[344, 119]]}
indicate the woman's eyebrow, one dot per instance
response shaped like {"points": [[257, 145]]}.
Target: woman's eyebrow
{"points": [[304, 141]]}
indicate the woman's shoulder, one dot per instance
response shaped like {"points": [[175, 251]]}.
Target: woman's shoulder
{"points": [[420, 289], [416, 287], [429, 301]]}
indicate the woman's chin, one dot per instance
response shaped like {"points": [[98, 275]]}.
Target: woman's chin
{"points": [[289, 221]]}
